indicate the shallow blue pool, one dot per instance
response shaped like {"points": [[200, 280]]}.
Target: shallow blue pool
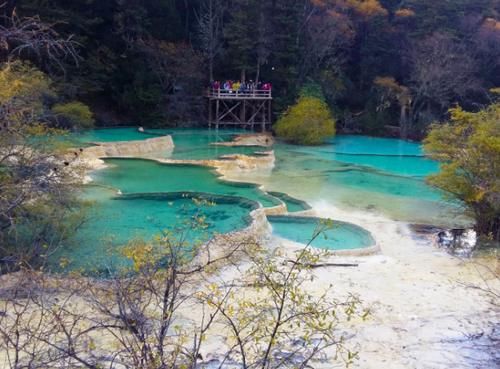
{"points": [[382, 176], [335, 236]]}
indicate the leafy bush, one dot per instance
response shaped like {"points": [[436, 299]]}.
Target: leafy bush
{"points": [[39, 210], [468, 148], [309, 122], [23, 88], [312, 89], [74, 115]]}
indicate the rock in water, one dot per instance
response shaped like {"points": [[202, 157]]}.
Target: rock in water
{"points": [[459, 241]]}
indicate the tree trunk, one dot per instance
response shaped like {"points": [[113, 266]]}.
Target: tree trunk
{"points": [[8, 8], [211, 69], [403, 121], [257, 75], [414, 109], [487, 222], [186, 19]]}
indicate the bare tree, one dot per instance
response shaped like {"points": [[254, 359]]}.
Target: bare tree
{"points": [[30, 37], [274, 322], [39, 329], [391, 91], [328, 35], [486, 41], [163, 310], [442, 72]]}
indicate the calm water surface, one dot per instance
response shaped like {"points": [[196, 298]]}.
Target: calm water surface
{"points": [[383, 176]]}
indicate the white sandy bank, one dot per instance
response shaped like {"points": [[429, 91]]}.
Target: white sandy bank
{"points": [[423, 314]]}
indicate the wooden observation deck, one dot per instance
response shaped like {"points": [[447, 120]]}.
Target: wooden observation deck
{"points": [[239, 108]]}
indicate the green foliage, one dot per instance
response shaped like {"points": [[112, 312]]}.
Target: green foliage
{"points": [[74, 114], [374, 122], [312, 89], [344, 45], [240, 33], [23, 85], [468, 148], [27, 91], [38, 210], [119, 75], [309, 122]]}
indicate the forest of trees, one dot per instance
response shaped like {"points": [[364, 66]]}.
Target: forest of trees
{"points": [[385, 66]]}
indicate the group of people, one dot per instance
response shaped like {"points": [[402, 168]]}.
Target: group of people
{"points": [[238, 86]]}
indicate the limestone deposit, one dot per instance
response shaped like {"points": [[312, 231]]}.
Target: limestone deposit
{"points": [[265, 160], [148, 147], [257, 139]]}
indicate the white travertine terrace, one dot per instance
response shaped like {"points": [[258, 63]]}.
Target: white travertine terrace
{"points": [[146, 147]]}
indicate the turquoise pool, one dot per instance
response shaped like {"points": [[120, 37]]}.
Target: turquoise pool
{"points": [[148, 176], [382, 176], [338, 236], [292, 205], [116, 220], [111, 135], [388, 155], [197, 144], [137, 198]]}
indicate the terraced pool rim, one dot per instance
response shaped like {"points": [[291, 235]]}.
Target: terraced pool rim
{"points": [[368, 249], [275, 201]]}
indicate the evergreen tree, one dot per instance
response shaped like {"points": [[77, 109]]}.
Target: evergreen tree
{"points": [[240, 34]]}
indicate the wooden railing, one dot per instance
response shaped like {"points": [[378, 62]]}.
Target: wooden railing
{"points": [[243, 94]]}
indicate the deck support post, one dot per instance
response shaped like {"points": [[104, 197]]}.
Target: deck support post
{"points": [[210, 113], [239, 108], [264, 114], [243, 118], [269, 112], [252, 119], [217, 118]]}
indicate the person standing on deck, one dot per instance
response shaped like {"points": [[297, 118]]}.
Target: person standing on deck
{"points": [[236, 86], [216, 88], [251, 87]]}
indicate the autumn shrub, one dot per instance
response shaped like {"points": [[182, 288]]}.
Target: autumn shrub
{"points": [[39, 210], [308, 122], [73, 114], [23, 87], [468, 148]]}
